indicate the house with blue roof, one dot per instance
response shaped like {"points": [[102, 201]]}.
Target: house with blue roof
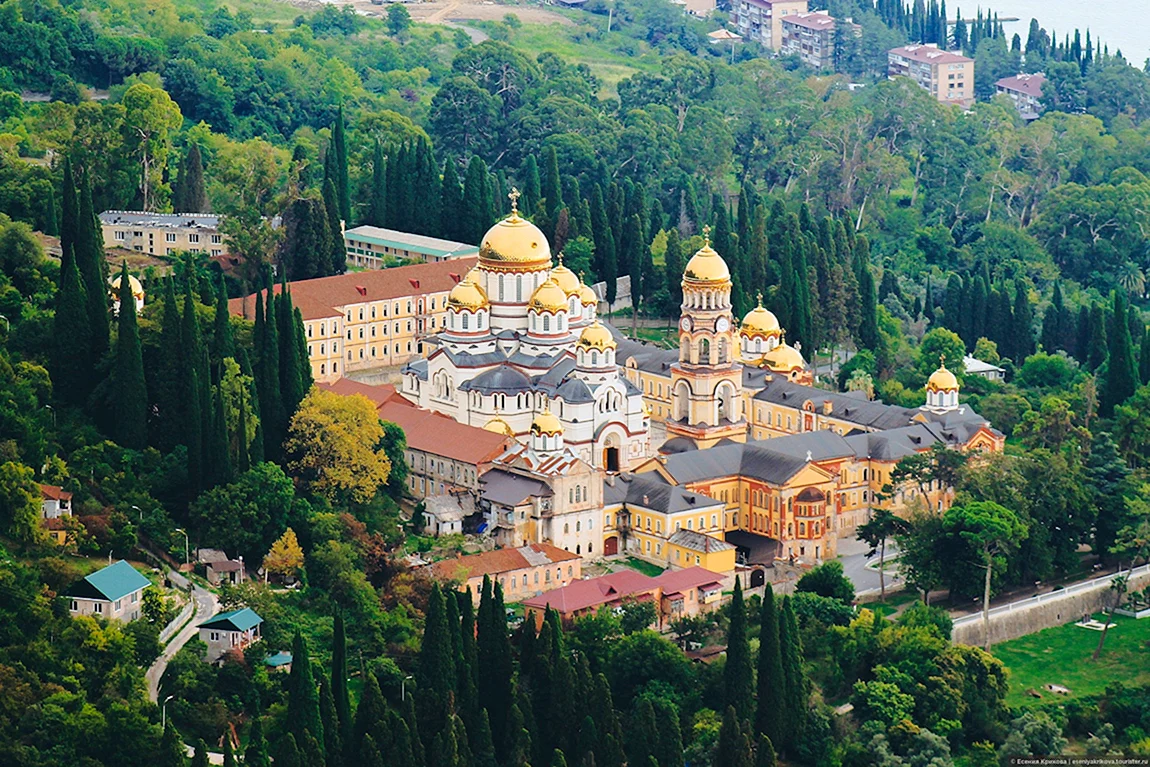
{"points": [[115, 592], [231, 631]]}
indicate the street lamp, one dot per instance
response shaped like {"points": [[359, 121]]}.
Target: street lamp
{"points": [[7, 324], [137, 508], [164, 712], [403, 688], [187, 559], [53, 411]]}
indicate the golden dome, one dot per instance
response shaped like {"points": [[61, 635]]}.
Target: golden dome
{"points": [[587, 296], [467, 295], [942, 380], [566, 278], [707, 266], [548, 297], [596, 336], [137, 288], [499, 426], [546, 423], [760, 321], [515, 244], [783, 359]]}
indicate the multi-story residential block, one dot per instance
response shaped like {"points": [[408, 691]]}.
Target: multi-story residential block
{"points": [[522, 572], [811, 37], [760, 20], [114, 592], [1025, 90], [947, 76], [371, 319], [374, 248], [163, 233]]}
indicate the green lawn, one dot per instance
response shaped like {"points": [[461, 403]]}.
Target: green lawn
{"points": [[644, 567], [1061, 655], [607, 55]]}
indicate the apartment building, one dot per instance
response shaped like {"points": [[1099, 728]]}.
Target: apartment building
{"points": [[1025, 90], [161, 234], [949, 77], [371, 319], [372, 247], [811, 37], [760, 20]]}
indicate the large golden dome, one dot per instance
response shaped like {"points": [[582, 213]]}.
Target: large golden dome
{"points": [[707, 265], [548, 297], [566, 278], [784, 358], [499, 426], [760, 322], [514, 244], [546, 423], [596, 336], [467, 295], [942, 380]]}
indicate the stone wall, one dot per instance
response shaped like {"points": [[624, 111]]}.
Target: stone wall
{"points": [[1044, 611]]}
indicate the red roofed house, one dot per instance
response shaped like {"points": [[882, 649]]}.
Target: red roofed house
{"points": [[526, 571], [689, 592], [371, 319], [1025, 91], [949, 77], [55, 505]]}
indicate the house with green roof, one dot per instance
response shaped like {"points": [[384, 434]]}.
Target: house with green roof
{"points": [[230, 632], [114, 592]]}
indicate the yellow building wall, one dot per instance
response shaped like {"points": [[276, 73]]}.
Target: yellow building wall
{"points": [[324, 347], [390, 332]]}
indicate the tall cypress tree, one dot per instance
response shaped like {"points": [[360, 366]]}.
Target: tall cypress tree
{"points": [[673, 266], [339, 677], [532, 189], [868, 334], [1121, 373], [51, 215], [796, 682], [189, 195], [476, 217], [333, 746], [451, 202], [1144, 360], [89, 254], [552, 184], [131, 419], [256, 754], [377, 206], [1023, 328], [770, 714], [1097, 346], [738, 676], [165, 383], [69, 209], [291, 380], [216, 453], [222, 344], [194, 385], [72, 370], [272, 414], [495, 664], [340, 177], [337, 254], [734, 747], [303, 714], [436, 663]]}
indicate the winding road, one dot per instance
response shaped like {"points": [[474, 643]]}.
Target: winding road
{"points": [[206, 605]]}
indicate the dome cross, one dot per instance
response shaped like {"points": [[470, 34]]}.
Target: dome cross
{"points": [[513, 195]]}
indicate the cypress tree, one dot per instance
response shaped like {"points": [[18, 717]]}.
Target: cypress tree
{"points": [[369, 754], [339, 677], [1022, 329], [1097, 346], [412, 722], [288, 753], [552, 184], [377, 207], [273, 418], [738, 675], [303, 714], [191, 350], [669, 746], [312, 754], [451, 202], [371, 712], [72, 370], [130, 426], [222, 344], [165, 384], [189, 196], [603, 237], [216, 450], [1052, 331], [770, 715], [291, 379], [89, 255], [734, 747], [172, 753], [303, 360], [868, 334], [229, 756], [1144, 359], [69, 209], [337, 255], [483, 748], [1082, 334], [436, 663], [532, 190], [340, 177], [1121, 373], [333, 746], [796, 683], [765, 753], [200, 755], [495, 663], [642, 739], [476, 216], [51, 215]]}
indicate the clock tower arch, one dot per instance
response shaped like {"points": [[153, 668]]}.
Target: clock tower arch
{"points": [[707, 380]]}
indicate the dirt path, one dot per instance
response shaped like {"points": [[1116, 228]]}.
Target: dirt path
{"points": [[441, 15]]}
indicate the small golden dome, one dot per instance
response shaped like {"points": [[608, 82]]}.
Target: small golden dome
{"points": [[566, 278], [547, 424], [783, 359], [760, 322], [596, 336], [587, 296], [467, 295], [942, 380], [707, 265], [499, 426], [137, 288], [548, 297], [515, 244]]}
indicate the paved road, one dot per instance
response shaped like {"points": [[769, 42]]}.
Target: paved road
{"points": [[853, 555], [206, 604]]}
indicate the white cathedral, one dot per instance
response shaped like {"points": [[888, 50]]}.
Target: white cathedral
{"points": [[523, 353]]}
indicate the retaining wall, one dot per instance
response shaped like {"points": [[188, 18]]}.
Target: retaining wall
{"points": [[1044, 611]]}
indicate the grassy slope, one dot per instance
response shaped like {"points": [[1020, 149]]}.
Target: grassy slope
{"points": [[1061, 655]]}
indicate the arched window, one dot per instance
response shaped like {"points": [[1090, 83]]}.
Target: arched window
{"points": [[566, 528], [464, 316], [594, 357], [546, 323], [519, 287], [571, 496], [704, 351], [578, 526], [501, 287]]}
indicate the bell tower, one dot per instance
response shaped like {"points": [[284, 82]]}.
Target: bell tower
{"points": [[707, 380]]}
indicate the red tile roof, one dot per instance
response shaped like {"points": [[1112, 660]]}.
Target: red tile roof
{"points": [[593, 592], [929, 54], [1031, 85], [690, 578], [444, 436], [380, 394], [501, 561], [54, 493], [325, 296]]}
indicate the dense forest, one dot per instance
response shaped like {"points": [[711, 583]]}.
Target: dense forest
{"points": [[871, 219]]}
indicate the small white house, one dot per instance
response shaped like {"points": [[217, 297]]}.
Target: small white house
{"points": [[976, 367], [230, 631], [115, 592], [443, 515]]}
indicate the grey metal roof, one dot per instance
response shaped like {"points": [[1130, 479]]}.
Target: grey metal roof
{"points": [[503, 378], [650, 491], [574, 390], [469, 360], [506, 489], [770, 460], [408, 241], [174, 220], [872, 414], [678, 445], [536, 361], [418, 367], [696, 541], [556, 374]]}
